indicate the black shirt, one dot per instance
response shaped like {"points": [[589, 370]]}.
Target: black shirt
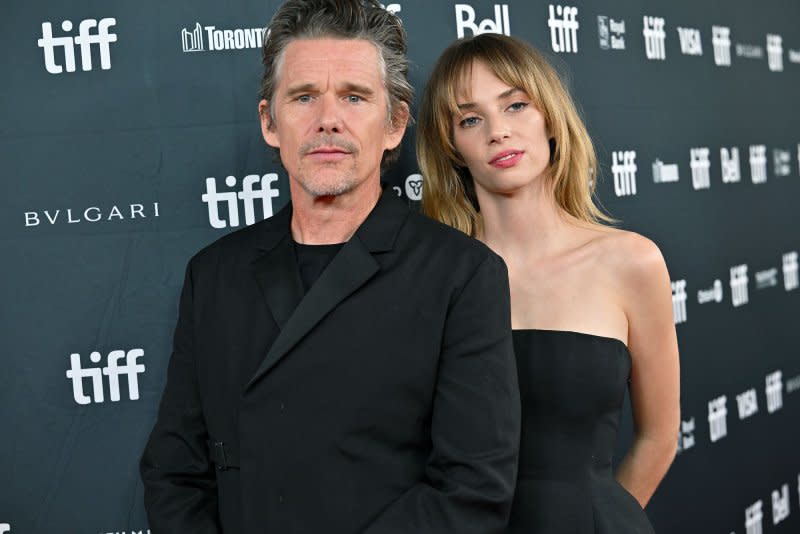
{"points": [[312, 260]]}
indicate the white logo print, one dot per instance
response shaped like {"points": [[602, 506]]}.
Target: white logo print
{"points": [[791, 280], [394, 9], [717, 418], [623, 167], [774, 391], [611, 33], [691, 42], [747, 403], [715, 294], [700, 164], [654, 37], [767, 278], [758, 164], [679, 301], [686, 435], [92, 214], [249, 194], [739, 281], [5, 527], [85, 39], [753, 517], [749, 51], [563, 23], [237, 39], [783, 162], [731, 170], [113, 370], [780, 504], [721, 39], [414, 187], [775, 52], [663, 173], [465, 20]]}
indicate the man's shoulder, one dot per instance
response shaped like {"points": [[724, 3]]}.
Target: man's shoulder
{"points": [[242, 243], [445, 242]]}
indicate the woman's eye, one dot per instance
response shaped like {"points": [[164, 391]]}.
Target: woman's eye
{"points": [[468, 122], [518, 106]]}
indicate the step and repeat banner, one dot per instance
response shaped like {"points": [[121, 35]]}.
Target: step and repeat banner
{"points": [[130, 139]]}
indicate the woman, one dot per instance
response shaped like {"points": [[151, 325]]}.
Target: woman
{"points": [[507, 160]]}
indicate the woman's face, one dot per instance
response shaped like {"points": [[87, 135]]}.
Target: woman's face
{"points": [[499, 133]]}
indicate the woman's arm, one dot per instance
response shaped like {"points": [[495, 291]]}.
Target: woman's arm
{"points": [[655, 372]]}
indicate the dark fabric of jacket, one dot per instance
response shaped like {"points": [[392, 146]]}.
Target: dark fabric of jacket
{"points": [[384, 400]]}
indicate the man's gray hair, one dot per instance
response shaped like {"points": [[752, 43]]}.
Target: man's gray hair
{"points": [[341, 19]]}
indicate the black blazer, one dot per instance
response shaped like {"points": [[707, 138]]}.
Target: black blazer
{"points": [[383, 401]]}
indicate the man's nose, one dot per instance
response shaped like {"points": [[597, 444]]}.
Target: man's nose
{"points": [[329, 114]]}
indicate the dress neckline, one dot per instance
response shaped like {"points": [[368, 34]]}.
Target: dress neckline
{"points": [[574, 332]]}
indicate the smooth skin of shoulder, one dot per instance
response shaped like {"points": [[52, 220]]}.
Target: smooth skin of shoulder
{"points": [[614, 283]]}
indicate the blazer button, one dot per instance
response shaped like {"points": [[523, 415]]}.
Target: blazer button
{"points": [[280, 498], [283, 406]]}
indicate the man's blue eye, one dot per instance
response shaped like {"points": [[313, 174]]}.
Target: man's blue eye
{"points": [[354, 99]]}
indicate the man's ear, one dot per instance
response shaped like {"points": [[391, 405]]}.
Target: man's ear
{"points": [[267, 127], [397, 126]]}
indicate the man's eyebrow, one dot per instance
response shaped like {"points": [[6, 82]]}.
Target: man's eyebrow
{"points": [[351, 87], [505, 94], [302, 88]]}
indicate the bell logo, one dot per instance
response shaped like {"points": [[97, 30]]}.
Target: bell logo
{"points": [[112, 370], [248, 195], [85, 39], [465, 20], [731, 171]]}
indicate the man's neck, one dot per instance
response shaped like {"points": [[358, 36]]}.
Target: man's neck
{"points": [[332, 219]]}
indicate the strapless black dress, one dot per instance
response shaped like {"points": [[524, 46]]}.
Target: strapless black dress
{"points": [[572, 388]]}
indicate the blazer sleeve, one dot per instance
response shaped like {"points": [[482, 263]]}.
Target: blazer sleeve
{"points": [[180, 491], [475, 427]]}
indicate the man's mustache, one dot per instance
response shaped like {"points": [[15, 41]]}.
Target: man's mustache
{"points": [[328, 141]]}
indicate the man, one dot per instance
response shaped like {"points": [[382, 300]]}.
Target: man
{"points": [[345, 366]]}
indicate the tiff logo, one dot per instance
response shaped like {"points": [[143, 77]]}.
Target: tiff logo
{"points": [[747, 403], [791, 280], [249, 194], [465, 20], [780, 504], [753, 517], [654, 37], [731, 170], [664, 173], [85, 39], [775, 52], [700, 164], [782, 160], [758, 164], [623, 167], [5, 527], [113, 370], [563, 23], [717, 418], [691, 42], [679, 301], [739, 288], [774, 391], [713, 294], [721, 39]]}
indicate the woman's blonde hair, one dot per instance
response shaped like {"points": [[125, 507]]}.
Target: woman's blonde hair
{"points": [[448, 189]]}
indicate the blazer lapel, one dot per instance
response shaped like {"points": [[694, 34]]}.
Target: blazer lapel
{"points": [[279, 277], [349, 270]]}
